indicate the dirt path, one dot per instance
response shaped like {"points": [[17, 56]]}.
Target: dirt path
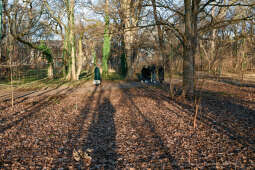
{"points": [[119, 126]]}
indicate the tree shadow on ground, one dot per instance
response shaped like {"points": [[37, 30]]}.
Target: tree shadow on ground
{"points": [[232, 81], [35, 106], [29, 112], [25, 96], [19, 120], [221, 108], [152, 140]]}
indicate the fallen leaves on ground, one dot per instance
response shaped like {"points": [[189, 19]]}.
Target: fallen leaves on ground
{"points": [[118, 128]]}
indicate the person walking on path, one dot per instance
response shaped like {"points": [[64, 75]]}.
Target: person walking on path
{"points": [[97, 77], [161, 74]]}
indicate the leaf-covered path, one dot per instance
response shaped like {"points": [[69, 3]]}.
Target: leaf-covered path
{"points": [[118, 127]]}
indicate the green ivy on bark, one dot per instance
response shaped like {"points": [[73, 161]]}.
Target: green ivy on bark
{"points": [[106, 46]]}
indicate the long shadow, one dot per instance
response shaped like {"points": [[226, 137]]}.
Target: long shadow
{"points": [[17, 97], [35, 104], [75, 133], [232, 81], [7, 94], [20, 96], [218, 107], [172, 162], [29, 93], [101, 137], [30, 111], [242, 116], [26, 96]]}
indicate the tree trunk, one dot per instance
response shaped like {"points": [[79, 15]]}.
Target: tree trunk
{"points": [[243, 52], [72, 40], [50, 71], [70, 58], [131, 10], [1, 12], [128, 38], [107, 41], [1, 7], [212, 49], [74, 77], [79, 59], [11, 69], [190, 46], [160, 32], [65, 55], [212, 56]]}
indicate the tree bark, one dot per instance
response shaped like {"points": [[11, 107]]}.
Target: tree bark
{"points": [[1, 7], [72, 40], [128, 37], [107, 41], [79, 59], [190, 45], [160, 32], [50, 71], [131, 11]]}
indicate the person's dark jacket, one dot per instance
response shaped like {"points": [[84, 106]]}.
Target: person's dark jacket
{"points": [[143, 74], [97, 74], [161, 74]]}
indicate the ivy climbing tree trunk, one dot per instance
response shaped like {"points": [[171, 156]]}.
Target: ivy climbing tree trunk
{"points": [[47, 54], [107, 39]]}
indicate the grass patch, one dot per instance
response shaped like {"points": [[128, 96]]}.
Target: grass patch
{"points": [[113, 76], [28, 76]]}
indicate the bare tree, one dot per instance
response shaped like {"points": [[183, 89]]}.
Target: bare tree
{"points": [[130, 15], [25, 25], [197, 20]]}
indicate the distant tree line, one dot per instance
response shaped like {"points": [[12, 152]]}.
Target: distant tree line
{"points": [[182, 36]]}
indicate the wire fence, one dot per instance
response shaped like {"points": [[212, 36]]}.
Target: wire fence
{"points": [[21, 74]]}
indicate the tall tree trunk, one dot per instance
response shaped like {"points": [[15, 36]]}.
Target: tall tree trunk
{"points": [[65, 54], [190, 45], [212, 49], [212, 55], [72, 40], [79, 58], [50, 70], [68, 59], [11, 51], [131, 12], [1, 11], [128, 37], [167, 63], [243, 51], [107, 41], [160, 32], [123, 59]]}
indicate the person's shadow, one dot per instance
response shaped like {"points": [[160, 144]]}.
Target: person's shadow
{"points": [[101, 137]]}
